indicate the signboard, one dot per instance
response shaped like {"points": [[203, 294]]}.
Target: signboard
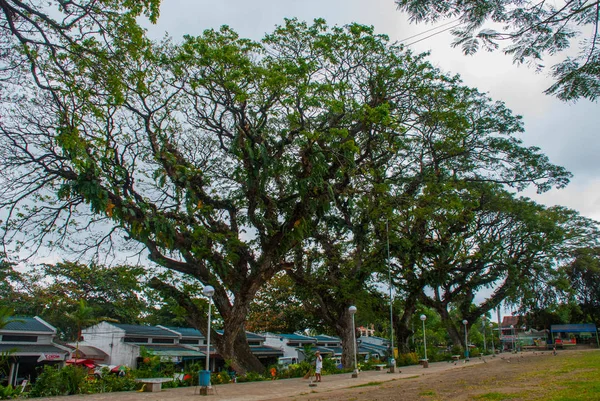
{"points": [[51, 357]]}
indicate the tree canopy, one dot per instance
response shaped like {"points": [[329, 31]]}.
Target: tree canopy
{"points": [[532, 31], [228, 160]]}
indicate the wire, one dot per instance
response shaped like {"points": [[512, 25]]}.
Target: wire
{"points": [[437, 33], [429, 30]]}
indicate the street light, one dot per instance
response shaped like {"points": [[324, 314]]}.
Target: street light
{"points": [[392, 361], [484, 343], [512, 334], [465, 322], [352, 311], [492, 334], [423, 318], [208, 291]]}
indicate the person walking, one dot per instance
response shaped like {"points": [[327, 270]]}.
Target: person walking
{"points": [[318, 366]]}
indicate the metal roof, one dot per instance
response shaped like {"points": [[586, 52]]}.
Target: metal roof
{"points": [[22, 349], [297, 337], [88, 352], [263, 350], [165, 350], [27, 325], [249, 335], [187, 331], [145, 331], [573, 328], [323, 338]]}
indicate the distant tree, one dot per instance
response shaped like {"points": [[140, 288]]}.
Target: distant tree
{"points": [[278, 309], [583, 275], [533, 29]]}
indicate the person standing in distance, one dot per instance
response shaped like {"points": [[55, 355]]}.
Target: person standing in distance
{"points": [[318, 366]]}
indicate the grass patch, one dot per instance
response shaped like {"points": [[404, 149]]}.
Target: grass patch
{"points": [[368, 384], [428, 393], [496, 396]]}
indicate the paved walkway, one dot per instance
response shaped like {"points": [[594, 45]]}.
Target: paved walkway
{"points": [[268, 390]]}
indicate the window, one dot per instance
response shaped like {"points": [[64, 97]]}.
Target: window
{"points": [[135, 340], [190, 342], [163, 341], [20, 339], [293, 344], [253, 342]]}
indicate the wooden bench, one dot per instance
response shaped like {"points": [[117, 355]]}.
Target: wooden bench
{"points": [[455, 357], [153, 384], [380, 367]]}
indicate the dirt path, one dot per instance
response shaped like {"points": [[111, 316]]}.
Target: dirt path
{"points": [[506, 374]]}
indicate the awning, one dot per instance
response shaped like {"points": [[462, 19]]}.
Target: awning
{"points": [[172, 351], [573, 328], [89, 352], [264, 350], [81, 362], [45, 352]]}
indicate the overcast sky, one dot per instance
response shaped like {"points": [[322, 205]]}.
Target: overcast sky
{"points": [[566, 132]]}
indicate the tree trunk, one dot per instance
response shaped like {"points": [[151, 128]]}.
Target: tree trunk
{"points": [[344, 330], [454, 334], [235, 348], [232, 345], [402, 326]]}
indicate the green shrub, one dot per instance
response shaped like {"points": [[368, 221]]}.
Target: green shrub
{"points": [[251, 377], [329, 366], [8, 392], [220, 378], [410, 358], [296, 370], [54, 381]]}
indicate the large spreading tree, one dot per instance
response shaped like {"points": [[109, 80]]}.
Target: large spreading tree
{"points": [[219, 157]]}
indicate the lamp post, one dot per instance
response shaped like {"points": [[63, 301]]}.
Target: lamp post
{"points": [[492, 334], [512, 334], [425, 363], [465, 322], [352, 311], [483, 326], [209, 292], [392, 360]]}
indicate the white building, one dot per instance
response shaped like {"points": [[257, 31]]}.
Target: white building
{"points": [[122, 343], [289, 344]]}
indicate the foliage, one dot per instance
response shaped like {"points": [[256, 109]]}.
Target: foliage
{"points": [[407, 359], [278, 309], [8, 392], [221, 378], [583, 275], [56, 291], [107, 383], [534, 31], [296, 370], [251, 377], [55, 381]]}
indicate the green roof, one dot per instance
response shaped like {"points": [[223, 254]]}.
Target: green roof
{"points": [[31, 349], [186, 331], [263, 350], [26, 324], [297, 337], [165, 350]]}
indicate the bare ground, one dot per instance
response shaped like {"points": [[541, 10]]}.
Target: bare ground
{"points": [[507, 376]]}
